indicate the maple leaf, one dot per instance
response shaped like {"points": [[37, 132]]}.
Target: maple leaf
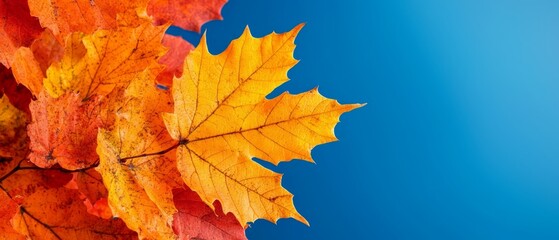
{"points": [[46, 210], [99, 62], [222, 119], [189, 15], [19, 28], [195, 220], [145, 180], [64, 17]]}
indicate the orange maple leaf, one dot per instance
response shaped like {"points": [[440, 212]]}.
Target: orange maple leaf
{"points": [[46, 210], [189, 15], [64, 17]]}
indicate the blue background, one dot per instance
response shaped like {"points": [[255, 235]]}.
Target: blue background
{"points": [[460, 137]]}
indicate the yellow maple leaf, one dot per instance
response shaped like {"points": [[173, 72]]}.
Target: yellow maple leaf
{"points": [[145, 180], [222, 120]]}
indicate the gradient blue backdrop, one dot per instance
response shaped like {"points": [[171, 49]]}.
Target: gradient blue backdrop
{"points": [[460, 137]]}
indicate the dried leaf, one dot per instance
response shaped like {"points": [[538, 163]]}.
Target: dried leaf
{"points": [[30, 64]]}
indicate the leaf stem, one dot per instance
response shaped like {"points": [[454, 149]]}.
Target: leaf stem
{"points": [[61, 169], [123, 160], [19, 167]]}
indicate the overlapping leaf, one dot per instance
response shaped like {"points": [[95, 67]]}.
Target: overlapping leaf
{"points": [[97, 63], [173, 60], [64, 17], [189, 15], [8, 209], [18, 94], [97, 104], [13, 137], [64, 130], [65, 121], [27, 70], [47, 49], [145, 180], [195, 220], [18, 28], [48, 211], [222, 119], [30, 63], [92, 191], [90, 183]]}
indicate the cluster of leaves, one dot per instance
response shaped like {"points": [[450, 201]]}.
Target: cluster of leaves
{"points": [[109, 128]]}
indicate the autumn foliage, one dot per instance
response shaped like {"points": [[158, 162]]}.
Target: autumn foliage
{"points": [[111, 129]]}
